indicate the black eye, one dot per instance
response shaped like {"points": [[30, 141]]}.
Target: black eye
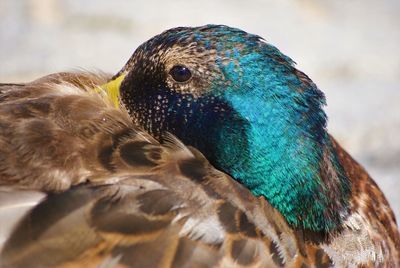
{"points": [[180, 73]]}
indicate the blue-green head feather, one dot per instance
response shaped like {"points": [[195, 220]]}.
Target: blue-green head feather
{"points": [[245, 106]]}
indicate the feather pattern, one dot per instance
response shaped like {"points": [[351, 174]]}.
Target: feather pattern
{"points": [[137, 195], [142, 203], [97, 190]]}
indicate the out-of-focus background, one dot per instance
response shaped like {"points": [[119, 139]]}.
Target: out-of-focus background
{"points": [[349, 48]]}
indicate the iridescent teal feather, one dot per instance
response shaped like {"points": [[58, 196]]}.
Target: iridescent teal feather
{"points": [[114, 195], [285, 132], [256, 117]]}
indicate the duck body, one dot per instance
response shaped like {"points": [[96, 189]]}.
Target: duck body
{"points": [[139, 204], [288, 195]]}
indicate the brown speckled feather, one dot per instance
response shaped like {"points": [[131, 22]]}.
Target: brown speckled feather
{"points": [[49, 131], [141, 204], [118, 198], [373, 225]]}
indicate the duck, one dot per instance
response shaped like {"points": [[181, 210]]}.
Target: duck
{"points": [[207, 149]]}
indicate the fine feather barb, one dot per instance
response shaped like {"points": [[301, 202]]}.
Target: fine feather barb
{"points": [[118, 196]]}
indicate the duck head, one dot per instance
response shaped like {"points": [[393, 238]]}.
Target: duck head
{"points": [[245, 106]]}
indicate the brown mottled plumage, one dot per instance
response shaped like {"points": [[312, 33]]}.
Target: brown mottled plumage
{"points": [[82, 184], [133, 202], [141, 204]]}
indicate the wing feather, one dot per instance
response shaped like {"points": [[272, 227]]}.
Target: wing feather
{"points": [[117, 197]]}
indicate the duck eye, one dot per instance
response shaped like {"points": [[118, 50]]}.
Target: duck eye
{"points": [[180, 73]]}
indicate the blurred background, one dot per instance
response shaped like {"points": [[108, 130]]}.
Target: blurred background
{"points": [[349, 48]]}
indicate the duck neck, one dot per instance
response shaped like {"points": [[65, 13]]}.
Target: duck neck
{"points": [[288, 158]]}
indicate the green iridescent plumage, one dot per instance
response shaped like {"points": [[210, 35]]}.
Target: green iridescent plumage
{"points": [[102, 191], [255, 117]]}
